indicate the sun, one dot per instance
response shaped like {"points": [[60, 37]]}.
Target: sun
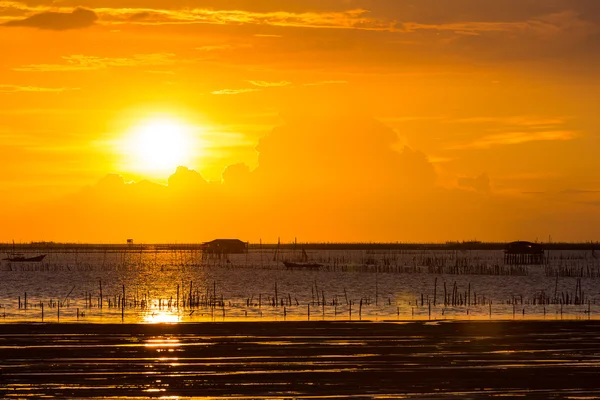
{"points": [[161, 145]]}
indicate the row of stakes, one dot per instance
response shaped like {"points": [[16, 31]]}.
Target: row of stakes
{"points": [[195, 301]]}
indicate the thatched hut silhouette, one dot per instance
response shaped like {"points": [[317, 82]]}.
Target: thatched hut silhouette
{"points": [[524, 253], [225, 246]]}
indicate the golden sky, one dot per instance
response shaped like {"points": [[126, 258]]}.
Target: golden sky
{"points": [[325, 120]]}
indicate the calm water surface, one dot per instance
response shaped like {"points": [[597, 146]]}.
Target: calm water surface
{"points": [[381, 285]]}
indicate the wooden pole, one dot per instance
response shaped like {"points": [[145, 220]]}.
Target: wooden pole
{"points": [[123, 305], [360, 310]]}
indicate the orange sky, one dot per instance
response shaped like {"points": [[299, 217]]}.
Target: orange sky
{"points": [[328, 120]]}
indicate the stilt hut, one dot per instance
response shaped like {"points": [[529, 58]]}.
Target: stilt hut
{"points": [[524, 253], [225, 246]]}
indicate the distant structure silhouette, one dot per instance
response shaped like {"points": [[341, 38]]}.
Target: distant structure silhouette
{"points": [[225, 246], [524, 253]]}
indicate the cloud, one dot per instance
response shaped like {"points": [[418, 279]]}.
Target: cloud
{"points": [[511, 138], [343, 19], [440, 160], [322, 175], [89, 63], [510, 130], [502, 32], [185, 179], [270, 84], [541, 25], [77, 19], [579, 191], [479, 184], [13, 9], [234, 91], [519, 120], [331, 151], [463, 19], [237, 175], [261, 84], [549, 22], [326, 83], [20, 88], [220, 47], [313, 171]]}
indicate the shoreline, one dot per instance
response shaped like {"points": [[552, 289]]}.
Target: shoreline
{"points": [[56, 247], [181, 327]]}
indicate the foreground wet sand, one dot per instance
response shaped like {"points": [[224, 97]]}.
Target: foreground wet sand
{"points": [[531, 359]]}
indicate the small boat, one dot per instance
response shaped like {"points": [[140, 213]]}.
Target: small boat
{"points": [[304, 264], [22, 258], [294, 265]]}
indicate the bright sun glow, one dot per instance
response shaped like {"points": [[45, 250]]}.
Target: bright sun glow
{"points": [[161, 317], [161, 145]]}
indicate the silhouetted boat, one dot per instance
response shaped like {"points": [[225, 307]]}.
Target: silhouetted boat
{"points": [[19, 257], [304, 264], [294, 265], [22, 258]]}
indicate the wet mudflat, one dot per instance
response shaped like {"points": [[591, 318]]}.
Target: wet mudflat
{"points": [[531, 359]]}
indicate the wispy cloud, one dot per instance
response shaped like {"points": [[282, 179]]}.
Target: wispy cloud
{"points": [[261, 85], [520, 120], [222, 47], [325, 83], [409, 118], [234, 91], [270, 84], [21, 88], [349, 19], [579, 191], [544, 25], [511, 138], [510, 130], [89, 63], [567, 21]]}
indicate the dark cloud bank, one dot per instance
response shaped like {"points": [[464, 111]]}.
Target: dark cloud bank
{"points": [[77, 19]]}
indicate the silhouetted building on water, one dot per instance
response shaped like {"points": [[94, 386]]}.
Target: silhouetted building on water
{"points": [[225, 246], [524, 253]]}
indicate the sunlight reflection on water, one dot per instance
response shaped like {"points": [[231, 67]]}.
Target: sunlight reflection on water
{"points": [[162, 317], [180, 287]]}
